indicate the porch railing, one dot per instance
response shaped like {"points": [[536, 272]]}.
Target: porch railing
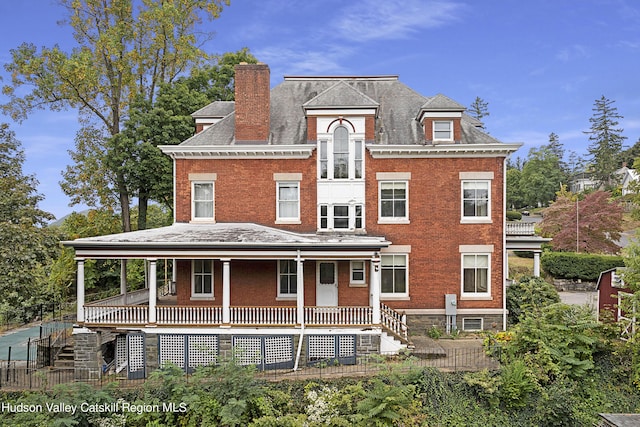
{"points": [[265, 316], [520, 228], [116, 315], [189, 315], [249, 315], [394, 321], [337, 316], [130, 298]]}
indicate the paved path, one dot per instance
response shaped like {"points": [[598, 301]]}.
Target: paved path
{"points": [[17, 339]]}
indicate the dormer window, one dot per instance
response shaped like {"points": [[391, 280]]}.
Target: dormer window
{"points": [[443, 130], [341, 156]]}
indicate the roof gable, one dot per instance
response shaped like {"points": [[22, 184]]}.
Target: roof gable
{"points": [[341, 95]]}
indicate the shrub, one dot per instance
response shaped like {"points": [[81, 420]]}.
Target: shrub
{"points": [[571, 265], [529, 295], [514, 216]]}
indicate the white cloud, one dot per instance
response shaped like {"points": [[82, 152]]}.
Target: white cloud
{"points": [[392, 19], [573, 52]]}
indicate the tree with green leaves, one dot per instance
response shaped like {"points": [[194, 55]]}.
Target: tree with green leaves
{"points": [[605, 142], [479, 109], [168, 121], [125, 51], [28, 246], [541, 177], [591, 225]]}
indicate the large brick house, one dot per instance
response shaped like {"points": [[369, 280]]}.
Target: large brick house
{"points": [[323, 218]]}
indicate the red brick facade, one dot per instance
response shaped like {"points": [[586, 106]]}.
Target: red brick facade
{"points": [[245, 191]]}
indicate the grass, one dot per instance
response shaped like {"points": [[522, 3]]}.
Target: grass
{"points": [[519, 267]]}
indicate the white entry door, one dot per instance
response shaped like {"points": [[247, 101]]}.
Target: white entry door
{"points": [[327, 284]]}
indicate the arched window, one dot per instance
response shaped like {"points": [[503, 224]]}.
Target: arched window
{"points": [[341, 152]]}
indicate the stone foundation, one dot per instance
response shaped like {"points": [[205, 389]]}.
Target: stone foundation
{"points": [[421, 324]]}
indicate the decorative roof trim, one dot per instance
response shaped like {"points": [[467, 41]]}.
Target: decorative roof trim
{"points": [[442, 150], [253, 151], [369, 78]]}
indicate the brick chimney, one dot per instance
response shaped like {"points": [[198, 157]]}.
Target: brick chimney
{"points": [[252, 83]]}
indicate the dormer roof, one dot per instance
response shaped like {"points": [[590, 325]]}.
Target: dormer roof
{"points": [[442, 103], [340, 95]]}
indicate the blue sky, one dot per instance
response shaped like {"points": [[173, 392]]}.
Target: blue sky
{"points": [[539, 64]]}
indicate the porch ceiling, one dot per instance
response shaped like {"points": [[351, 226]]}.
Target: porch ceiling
{"points": [[220, 239]]}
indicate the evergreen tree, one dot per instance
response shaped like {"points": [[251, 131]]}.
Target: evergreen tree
{"points": [[479, 109], [26, 244], [606, 142]]}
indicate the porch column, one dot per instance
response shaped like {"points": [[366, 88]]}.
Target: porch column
{"points": [[300, 289], [226, 292], [80, 291], [536, 263], [123, 277], [153, 291], [374, 288]]}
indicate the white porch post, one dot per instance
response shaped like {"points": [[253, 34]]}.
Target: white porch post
{"points": [[374, 288], [80, 291], [153, 291], [536, 264], [300, 289], [226, 292]]}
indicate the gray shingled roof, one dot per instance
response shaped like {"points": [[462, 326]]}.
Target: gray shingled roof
{"points": [[225, 235], [216, 109], [398, 107], [341, 95], [442, 103]]}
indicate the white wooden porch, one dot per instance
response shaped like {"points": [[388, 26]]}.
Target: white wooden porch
{"points": [[112, 312]]}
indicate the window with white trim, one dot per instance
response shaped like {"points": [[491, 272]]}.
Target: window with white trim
{"points": [[341, 156], [394, 201], [394, 275], [443, 130], [475, 274], [340, 217], [287, 278], [472, 323], [288, 201], [358, 276], [202, 278], [476, 197], [202, 206]]}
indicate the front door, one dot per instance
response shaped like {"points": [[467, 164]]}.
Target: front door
{"points": [[327, 284]]}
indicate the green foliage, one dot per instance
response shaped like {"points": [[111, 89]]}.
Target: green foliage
{"points": [[541, 177], [528, 296], [559, 339], [28, 246], [570, 265], [605, 142], [514, 216]]}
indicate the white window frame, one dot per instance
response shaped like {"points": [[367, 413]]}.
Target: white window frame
{"points": [[282, 295], [201, 295], [475, 295], [352, 269], [352, 209], [195, 218], [449, 131], [476, 177], [355, 154], [474, 319], [395, 295], [285, 219], [393, 219]]}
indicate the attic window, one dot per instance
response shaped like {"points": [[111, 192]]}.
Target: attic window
{"points": [[442, 130]]}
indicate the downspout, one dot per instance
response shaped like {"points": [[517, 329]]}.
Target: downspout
{"points": [[300, 290], [505, 265]]}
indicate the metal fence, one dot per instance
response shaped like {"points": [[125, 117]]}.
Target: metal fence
{"points": [[14, 377]]}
